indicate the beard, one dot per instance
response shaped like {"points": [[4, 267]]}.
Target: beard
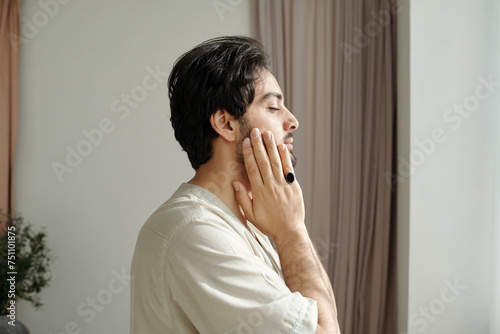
{"points": [[245, 129]]}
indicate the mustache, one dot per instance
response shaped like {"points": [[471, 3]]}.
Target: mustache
{"points": [[288, 136]]}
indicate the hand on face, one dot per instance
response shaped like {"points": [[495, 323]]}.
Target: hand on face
{"points": [[276, 207]]}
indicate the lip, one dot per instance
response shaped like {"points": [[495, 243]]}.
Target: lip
{"points": [[288, 144]]}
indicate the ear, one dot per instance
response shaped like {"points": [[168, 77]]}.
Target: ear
{"points": [[224, 124]]}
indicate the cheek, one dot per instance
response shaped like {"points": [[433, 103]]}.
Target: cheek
{"points": [[277, 133], [267, 123]]}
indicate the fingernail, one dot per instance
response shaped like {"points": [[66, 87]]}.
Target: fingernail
{"points": [[255, 133], [246, 142], [236, 187], [267, 135], [282, 147]]}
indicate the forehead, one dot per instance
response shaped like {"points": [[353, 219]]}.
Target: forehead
{"points": [[267, 86]]}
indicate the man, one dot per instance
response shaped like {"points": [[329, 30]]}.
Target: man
{"points": [[203, 262]]}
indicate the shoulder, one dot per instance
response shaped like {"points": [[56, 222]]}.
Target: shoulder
{"points": [[184, 215], [190, 216]]}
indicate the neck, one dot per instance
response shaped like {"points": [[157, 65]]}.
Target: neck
{"points": [[217, 176]]}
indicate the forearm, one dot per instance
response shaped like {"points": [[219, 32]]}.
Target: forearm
{"points": [[303, 272]]}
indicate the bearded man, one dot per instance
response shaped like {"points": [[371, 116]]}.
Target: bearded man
{"points": [[229, 251]]}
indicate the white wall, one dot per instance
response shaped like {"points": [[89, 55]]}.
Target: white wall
{"points": [[495, 236], [77, 58], [403, 150], [452, 52]]}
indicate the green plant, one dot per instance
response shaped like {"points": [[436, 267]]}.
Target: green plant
{"points": [[31, 262]]}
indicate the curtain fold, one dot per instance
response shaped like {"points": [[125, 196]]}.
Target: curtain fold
{"points": [[335, 61], [9, 93]]}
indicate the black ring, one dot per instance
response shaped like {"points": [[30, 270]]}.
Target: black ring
{"points": [[289, 177]]}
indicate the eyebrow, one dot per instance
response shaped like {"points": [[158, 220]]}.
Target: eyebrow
{"points": [[272, 94]]}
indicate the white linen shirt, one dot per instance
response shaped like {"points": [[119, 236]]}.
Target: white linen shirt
{"points": [[198, 269]]}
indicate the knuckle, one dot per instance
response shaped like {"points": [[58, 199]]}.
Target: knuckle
{"points": [[262, 161], [276, 165], [263, 165], [258, 194], [252, 170], [275, 195]]}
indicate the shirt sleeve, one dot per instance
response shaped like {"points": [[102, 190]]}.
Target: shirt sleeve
{"points": [[223, 287]]}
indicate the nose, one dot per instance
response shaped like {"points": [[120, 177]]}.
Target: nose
{"points": [[291, 123]]}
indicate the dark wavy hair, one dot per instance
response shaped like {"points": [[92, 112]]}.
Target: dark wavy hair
{"points": [[217, 74]]}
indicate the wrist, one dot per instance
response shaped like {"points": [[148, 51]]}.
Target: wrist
{"points": [[291, 238]]}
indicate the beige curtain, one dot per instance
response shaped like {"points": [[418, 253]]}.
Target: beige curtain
{"points": [[9, 82], [335, 61]]}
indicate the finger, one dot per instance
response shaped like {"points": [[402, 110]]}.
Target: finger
{"points": [[274, 157], [286, 160], [251, 167], [261, 156], [244, 200]]}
